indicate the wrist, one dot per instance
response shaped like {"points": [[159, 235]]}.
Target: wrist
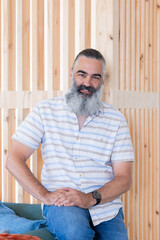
{"points": [[90, 200], [45, 197], [97, 196]]}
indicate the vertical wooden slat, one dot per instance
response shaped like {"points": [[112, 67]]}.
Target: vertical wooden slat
{"points": [[137, 175], [103, 36], [150, 154], [5, 19], [153, 175], [150, 45], [134, 196], [88, 24], [19, 45], [26, 44], [11, 130], [133, 33], [157, 176], [12, 45], [35, 82], [127, 45], [131, 203], [71, 30], [141, 177], [93, 23], [122, 45], [104, 40], [64, 44], [146, 48], [79, 25], [141, 57], [48, 39], [146, 174], [158, 45], [127, 195], [137, 47], [112, 82], [40, 43], [154, 48], [56, 45], [5, 174]]}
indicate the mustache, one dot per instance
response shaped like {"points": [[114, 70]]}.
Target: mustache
{"points": [[83, 87]]}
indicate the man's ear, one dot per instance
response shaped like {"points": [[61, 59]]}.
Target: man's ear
{"points": [[70, 73]]}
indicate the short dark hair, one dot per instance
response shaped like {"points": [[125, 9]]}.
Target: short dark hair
{"points": [[90, 53]]}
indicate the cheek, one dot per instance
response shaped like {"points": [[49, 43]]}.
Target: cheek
{"points": [[96, 85], [78, 81]]}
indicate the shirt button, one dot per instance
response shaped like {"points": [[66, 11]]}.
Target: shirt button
{"points": [[78, 138], [81, 175]]}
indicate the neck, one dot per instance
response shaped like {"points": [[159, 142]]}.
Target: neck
{"points": [[81, 120]]}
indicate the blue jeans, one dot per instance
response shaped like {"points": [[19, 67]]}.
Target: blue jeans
{"points": [[74, 223]]}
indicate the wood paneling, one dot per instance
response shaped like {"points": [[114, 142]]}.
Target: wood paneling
{"points": [[39, 40], [137, 95]]}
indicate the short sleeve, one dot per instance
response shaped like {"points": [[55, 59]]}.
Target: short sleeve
{"points": [[122, 149], [30, 132]]}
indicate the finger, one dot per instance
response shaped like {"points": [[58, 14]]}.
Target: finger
{"points": [[66, 188], [70, 204], [59, 201], [64, 203]]}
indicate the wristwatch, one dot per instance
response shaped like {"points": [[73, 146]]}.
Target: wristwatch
{"points": [[96, 195]]}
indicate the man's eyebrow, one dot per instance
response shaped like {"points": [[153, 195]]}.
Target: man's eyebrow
{"points": [[97, 75], [94, 74], [81, 71]]}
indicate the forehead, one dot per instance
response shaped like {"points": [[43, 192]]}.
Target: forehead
{"points": [[89, 65]]}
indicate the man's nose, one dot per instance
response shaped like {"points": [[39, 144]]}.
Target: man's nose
{"points": [[88, 81]]}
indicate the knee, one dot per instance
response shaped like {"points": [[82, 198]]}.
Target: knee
{"points": [[68, 223], [70, 233], [74, 232]]}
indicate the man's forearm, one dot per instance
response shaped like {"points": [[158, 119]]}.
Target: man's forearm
{"points": [[19, 169], [114, 189]]}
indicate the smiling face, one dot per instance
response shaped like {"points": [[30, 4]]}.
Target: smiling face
{"points": [[88, 75], [84, 96]]}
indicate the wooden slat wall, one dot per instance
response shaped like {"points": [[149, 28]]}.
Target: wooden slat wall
{"points": [[136, 93], [38, 42]]}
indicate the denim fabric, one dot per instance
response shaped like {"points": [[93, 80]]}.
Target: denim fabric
{"points": [[17, 225], [67, 223]]}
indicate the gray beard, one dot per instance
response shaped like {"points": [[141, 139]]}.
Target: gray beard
{"points": [[82, 104]]}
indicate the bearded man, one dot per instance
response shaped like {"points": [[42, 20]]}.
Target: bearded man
{"points": [[87, 154]]}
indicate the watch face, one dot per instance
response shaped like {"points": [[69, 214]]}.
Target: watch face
{"points": [[96, 194]]}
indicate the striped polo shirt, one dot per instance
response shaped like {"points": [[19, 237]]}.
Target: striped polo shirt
{"points": [[78, 158]]}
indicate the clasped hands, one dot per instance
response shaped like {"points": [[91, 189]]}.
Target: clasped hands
{"points": [[70, 197]]}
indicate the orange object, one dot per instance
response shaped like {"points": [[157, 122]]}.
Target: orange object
{"points": [[5, 236]]}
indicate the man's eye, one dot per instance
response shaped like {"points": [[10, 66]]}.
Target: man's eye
{"points": [[96, 78], [81, 75]]}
